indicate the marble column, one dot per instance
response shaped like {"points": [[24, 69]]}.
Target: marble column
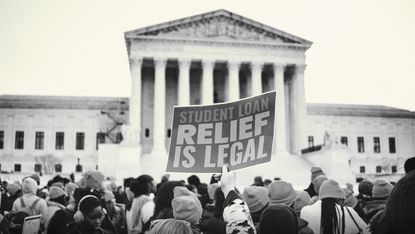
{"points": [[159, 105], [280, 140], [256, 72], [207, 81], [301, 105], [184, 82], [233, 80], [131, 132]]}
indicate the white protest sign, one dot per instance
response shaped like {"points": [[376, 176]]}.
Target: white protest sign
{"points": [[237, 134], [31, 224]]}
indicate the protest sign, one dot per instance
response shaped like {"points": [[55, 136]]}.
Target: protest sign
{"points": [[237, 134], [31, 224]]}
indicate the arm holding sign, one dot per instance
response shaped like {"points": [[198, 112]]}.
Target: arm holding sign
{"points": [[236, 213]]}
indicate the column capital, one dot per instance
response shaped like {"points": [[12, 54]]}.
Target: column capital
{"points": [[207, 62], [257, 64], [300, 67], [278, 66], [184, 62], [234, 64], [136, 61], [160, 61]]}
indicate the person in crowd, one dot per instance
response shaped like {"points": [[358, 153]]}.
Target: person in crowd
{"points": [[256, 197], [399, 214], [317, 183], [409, 165], [258, 181], [93, 180], [212, 190], [164, 178], [282, 193], [380, 193], [70, 189], [315, 171], [201, 189], [267, 182], [186, 206], [56, 201], [115, 212], [29, 202], [146, 179], [88, 217], [365, 190], [16, 223], [162, 202], [14, 191], [212, 218], [301, 199], [278, 218], [328, 215], [236, 212], [170, 226], [138, 212]]}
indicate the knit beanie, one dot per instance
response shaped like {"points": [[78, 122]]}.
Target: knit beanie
{"points": [[278, 219], [55, 192], [29, 186], [365, 188], [212, 189], [409, 165], [318, 181], [350, 200], [281, 192], [93, 179], [13, 188], [381, 188], [331, 189], [186, 205], [256, 197], [302, 198], [316, 171]]}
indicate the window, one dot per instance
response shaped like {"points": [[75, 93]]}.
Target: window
{"points": [[147, 132], [39, 139], [38, 168], [394, 169], [17, 167], [360, 145], [343, 140], [118, 137], [78, 168], [362, 169], [169, 133], [378, 169], [310, 141], [376, 145], [60, 140], [19, 141], [80, 140], [1, 139], [392, 145], [58, 167], [100, 139]]}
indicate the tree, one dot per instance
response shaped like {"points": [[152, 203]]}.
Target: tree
{"points": [[48, 162]]}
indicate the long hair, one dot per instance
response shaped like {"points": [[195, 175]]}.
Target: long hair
{"points": [[400, 206], [165, 196], [329, 217]]}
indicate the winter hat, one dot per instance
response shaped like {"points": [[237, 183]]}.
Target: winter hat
{"points": [[281, 192], [278, 219], [381, 188], [318, 181], [13, 188], [58, 184], [55, 192], [212, 189], [29, 186], [331, 189], [316, 171], [256, 197], [350, 200], [365, 188], [108, 196], [186, 205], [36, 177], [409, 164], [144, 179], [70, 187], [302, 198], [93, 179]]}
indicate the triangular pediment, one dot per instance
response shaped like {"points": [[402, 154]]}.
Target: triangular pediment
{"points": [[220, 24]]}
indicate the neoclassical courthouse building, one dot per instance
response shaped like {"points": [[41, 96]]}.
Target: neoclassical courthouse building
{"points": [[209, 58]]}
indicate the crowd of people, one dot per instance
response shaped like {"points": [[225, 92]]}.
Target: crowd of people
{"points": [[95, 204]]}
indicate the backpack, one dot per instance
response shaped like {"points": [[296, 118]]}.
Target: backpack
{"points": [[28, 210]]}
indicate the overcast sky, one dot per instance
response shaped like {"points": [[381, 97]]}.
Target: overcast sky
{"points": [[362, 53]]}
